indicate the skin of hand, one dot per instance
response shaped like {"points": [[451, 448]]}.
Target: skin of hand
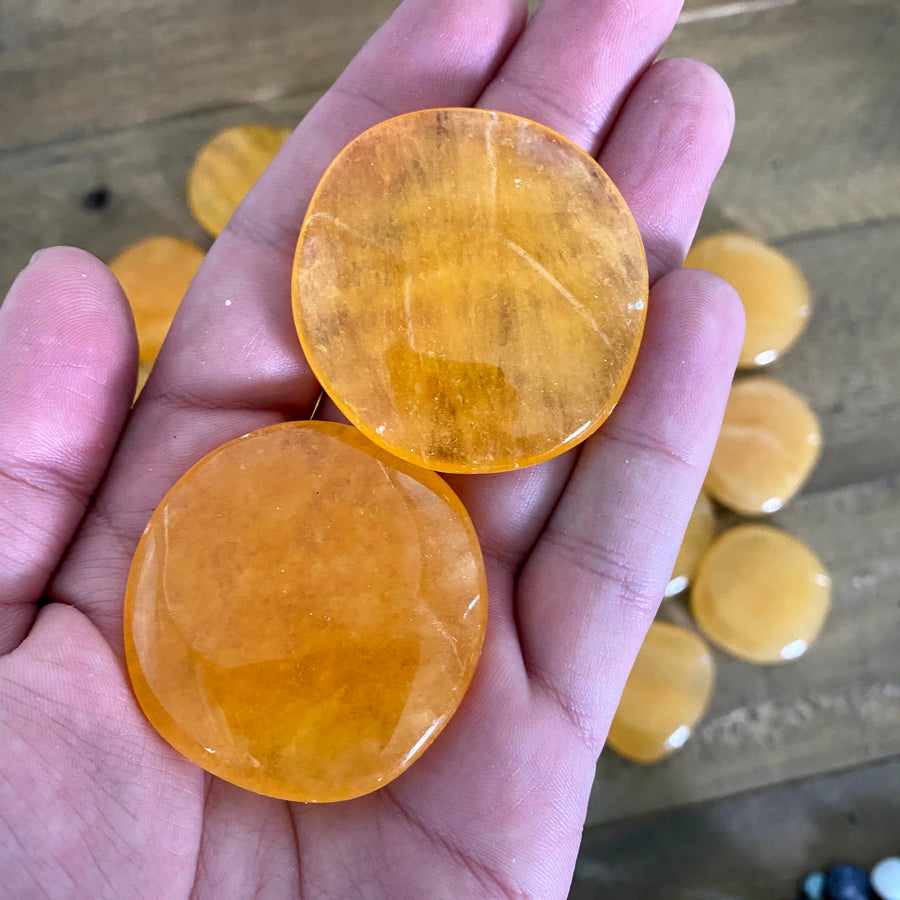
{"points": [[93, 803]]}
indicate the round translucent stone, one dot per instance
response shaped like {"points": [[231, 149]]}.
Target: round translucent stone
{"points": [[761, 594], [470, 288], [773, 290], [155, 274], [698, 536], [304, 613], [665, 696], [226, 167], [769, 443]]}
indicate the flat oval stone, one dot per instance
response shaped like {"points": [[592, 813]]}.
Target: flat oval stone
{"points": [[665, 696], [885, 878], [845, 882], [226, 167], [768, 445], [774, 293], [470, 288], [761, 594], [304, 613], [155, 274], [699, 534]]}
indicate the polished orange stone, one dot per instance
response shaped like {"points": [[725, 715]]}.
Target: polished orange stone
{"points": [[470, 288], [155, 273], [304, 612], [699, 534], [761, 594], [226, 167], [769, 443], [665, 696], [773, 290]]}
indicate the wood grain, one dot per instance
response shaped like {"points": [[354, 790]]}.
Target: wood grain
{"points": [[816, 145], [76, 69], [839, 705], [751, 847]]}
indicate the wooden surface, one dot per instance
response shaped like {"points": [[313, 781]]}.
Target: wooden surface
{"points": [[794, 766]]}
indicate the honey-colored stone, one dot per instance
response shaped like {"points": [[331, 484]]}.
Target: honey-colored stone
{"points": [[226, 167], [761, 594], [665, 696], [304, 612], [155, 273], [769, 443], [698, 536], [773, 290], [470, 288]]}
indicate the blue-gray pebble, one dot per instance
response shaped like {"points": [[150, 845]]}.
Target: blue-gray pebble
{"points": [[813, 887], [846, 883], [885, 878]]}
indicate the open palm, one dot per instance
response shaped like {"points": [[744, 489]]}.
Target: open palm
{"points": [[578, 550]]}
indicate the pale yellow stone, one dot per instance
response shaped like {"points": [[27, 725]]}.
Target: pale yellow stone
{"points": [[665, 696], [772, 288], [761, 594], [226, 167], [768, 445], [699, 534]]}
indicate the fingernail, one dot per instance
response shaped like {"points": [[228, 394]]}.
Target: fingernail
{"points": [[34, 257]]}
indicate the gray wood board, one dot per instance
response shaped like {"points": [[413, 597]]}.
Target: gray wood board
{"points": [[817, 137], [71, 69], [835, 707], [755, 846]]}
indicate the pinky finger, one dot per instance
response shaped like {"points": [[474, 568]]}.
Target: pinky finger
{"points": [[68, 360]]}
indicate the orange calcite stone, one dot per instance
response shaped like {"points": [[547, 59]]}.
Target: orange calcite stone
{"points": [[155, 273], [226, 167], [699, 534], [761, 594], [665, 696], [773, 290], [304, 613], [470, 288], [769, 443]]}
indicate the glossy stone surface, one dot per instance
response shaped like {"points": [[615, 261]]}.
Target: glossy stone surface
{"points": [[773, 290], [304, 613], [768, 445], [667, 693], [470, 288], [155, 273], [697, 537], [226, 167], [885, 878], [761, 594], [845, 882]]}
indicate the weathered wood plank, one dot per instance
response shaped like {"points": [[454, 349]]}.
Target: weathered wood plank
{"points": [[815, 83], [78, 68], [144, 169], [837, 706], [753, 847]]}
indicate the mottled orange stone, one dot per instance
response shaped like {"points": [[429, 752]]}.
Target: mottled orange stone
{"points": [[769, 443], [304, 613], [155, 273], [773, 290], [665, 696], [226, 167], [761, 594], [470, 288], [699, 534]]}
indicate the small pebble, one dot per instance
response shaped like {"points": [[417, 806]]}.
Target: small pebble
{"points": [[885, 878], [845, 882], [813, 886]]}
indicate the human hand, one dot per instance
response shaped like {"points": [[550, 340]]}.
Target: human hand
{"points": [[578, 549]]}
